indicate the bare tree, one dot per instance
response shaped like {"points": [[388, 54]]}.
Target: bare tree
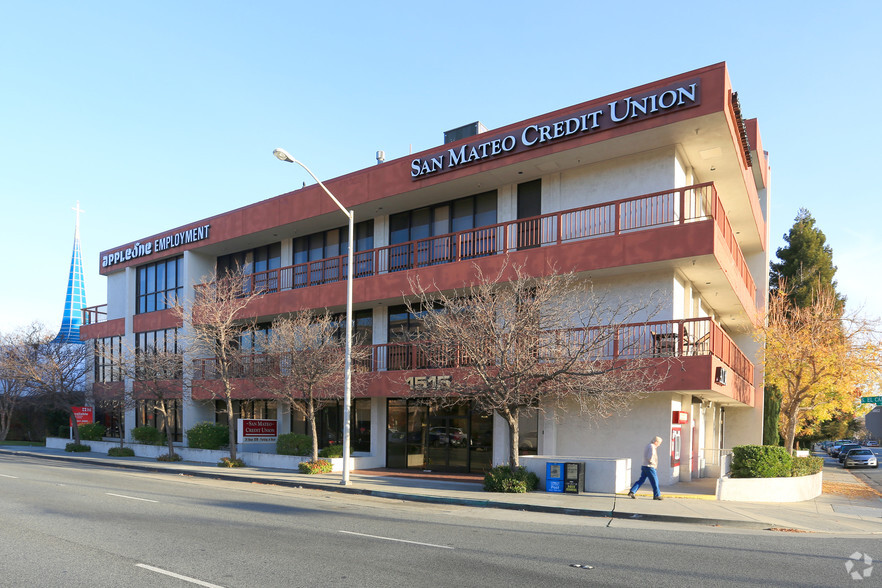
{"points": [[535, 342], [53, 373], [307, 367], [12, 387], [215, 321]]}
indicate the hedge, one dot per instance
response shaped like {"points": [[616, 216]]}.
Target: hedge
{"points": [[208, 436], [761, 461], [504, 479]]}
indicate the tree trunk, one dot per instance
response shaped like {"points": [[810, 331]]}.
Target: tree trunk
{"points": [[232, 427], [5, 420], [169, 438], [74, 427], [310, 417], [790, 433], [513, 438], [121, 423]]}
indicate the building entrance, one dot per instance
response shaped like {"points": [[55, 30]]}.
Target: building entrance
{"points": [[450, 439]]}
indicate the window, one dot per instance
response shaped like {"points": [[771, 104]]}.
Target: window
{"points": [[259, 262], [146, 414], [108, 358], [164, 341], [433, 227], [160, 285]]}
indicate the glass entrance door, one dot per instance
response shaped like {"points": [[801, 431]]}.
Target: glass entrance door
{"points": [[448, 443]]}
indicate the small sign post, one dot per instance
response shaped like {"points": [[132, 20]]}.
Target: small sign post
{"points": [[84, 416], [258, 430], [872, 400]]}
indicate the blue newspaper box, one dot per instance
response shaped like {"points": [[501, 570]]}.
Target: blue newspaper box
{"points": [[554, 477]]}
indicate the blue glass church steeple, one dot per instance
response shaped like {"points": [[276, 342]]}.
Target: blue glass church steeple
{"points": [[75, 300]]}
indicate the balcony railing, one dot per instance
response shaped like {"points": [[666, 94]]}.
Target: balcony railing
{"points": [[95, 314], [649, 211], [683, 338]]}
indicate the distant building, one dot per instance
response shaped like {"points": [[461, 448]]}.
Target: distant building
{"points": [[663, 188], [75, 298]]}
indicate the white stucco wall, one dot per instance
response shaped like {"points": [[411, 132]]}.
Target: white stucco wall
{"points": [[622, 436], [623, 177]]}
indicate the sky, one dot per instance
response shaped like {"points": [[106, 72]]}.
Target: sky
{"points": [[155, 114]]}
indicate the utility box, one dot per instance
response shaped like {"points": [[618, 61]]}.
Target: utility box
{"points": [[554, 477], [574, 477]]}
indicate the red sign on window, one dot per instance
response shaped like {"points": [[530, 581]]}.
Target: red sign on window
{"points": [[84, 415]]}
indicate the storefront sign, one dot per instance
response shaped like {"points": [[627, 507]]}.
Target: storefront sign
{"points": [[159, 244], [428, 382], [258, 430], [593, 120], [83, 414]]}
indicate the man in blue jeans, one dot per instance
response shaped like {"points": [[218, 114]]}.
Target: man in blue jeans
{"points": [[647, 471]]}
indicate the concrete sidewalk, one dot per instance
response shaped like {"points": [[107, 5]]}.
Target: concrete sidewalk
{"points": [[693, 502]]}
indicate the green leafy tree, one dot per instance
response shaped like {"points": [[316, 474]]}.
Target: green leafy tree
{"points": [[771, 415], [806, 264]]}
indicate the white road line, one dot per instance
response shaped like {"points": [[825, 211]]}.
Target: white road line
{"points": [[130, 497], [178, 576], [398, 540], [5, 476]]}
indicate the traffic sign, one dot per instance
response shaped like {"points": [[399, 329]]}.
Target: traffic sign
{"points": [[871, 400]]}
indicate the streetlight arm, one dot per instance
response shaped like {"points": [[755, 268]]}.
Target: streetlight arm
{"points": [[285, 156]]}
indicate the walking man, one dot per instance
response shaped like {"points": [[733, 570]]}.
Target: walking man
{"points": [[647, 471]]}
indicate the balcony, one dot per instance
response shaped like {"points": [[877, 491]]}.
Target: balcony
{"points": [[619, 217], [93, 315], [681, 339]]}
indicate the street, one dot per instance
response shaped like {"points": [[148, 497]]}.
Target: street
{"points": [[65, 524], [871, 476]]}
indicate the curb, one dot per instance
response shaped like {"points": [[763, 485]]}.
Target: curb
{"points": [[469, 502]]}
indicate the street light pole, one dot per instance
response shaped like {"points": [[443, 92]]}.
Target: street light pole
{"points": [[283, 155]]}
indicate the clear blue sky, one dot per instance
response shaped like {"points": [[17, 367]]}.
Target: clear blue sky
{"points": [[155, 114]]}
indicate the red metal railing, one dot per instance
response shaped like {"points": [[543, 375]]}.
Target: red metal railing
{"points": [[682, 338], [95, 314], [667, 208]]}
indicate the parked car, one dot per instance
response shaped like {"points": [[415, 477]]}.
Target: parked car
{"points": [[860, 458], [872, 443], [843, 451]]}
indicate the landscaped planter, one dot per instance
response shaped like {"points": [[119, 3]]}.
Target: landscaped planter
{"points": [[769, 489]]}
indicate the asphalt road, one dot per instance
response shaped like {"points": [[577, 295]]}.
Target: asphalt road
{"points": [[872, 476], [70, 525]]}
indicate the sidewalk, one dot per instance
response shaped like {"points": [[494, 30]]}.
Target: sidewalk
{"points": [[693, 502]]}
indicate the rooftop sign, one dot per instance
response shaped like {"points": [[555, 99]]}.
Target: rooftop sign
{"points": [[162, 243], [591, 120]]}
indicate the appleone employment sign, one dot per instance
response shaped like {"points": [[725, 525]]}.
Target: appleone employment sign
{"points": [[591, 120], [258, 430]]}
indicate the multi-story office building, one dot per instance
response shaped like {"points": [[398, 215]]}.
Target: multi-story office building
{"points": [[662, 188]]}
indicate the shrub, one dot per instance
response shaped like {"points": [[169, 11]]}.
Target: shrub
{"points": [[64, 432], [760, 461], [333, 451], [321, 466], [208, 436], [92, 432], [226, 462], [169, 457], [121, 452], [147, 435], [77, 447], [806, 466], [504, 479], [294, 444]]}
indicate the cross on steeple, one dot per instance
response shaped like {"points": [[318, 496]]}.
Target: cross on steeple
{"points": [[78, 210]]}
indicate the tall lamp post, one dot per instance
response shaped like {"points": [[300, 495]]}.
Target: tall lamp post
{"points": [[347, 386]]}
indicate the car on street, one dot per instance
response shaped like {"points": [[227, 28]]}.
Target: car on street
{"points": [[860, 458], [844, 449], [872, 443]]}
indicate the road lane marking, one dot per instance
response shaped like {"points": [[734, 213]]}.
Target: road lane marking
{"points": [[130, 497], [5, 476], [398, 540], [178, 576]]}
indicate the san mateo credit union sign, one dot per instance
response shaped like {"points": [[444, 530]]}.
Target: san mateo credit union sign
{"points": [[592, 120]]}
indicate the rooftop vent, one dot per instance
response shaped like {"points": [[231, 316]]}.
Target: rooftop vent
{"points": [[469, 130]]}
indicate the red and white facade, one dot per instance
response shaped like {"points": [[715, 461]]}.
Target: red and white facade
{"points": [[663, 188]]}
